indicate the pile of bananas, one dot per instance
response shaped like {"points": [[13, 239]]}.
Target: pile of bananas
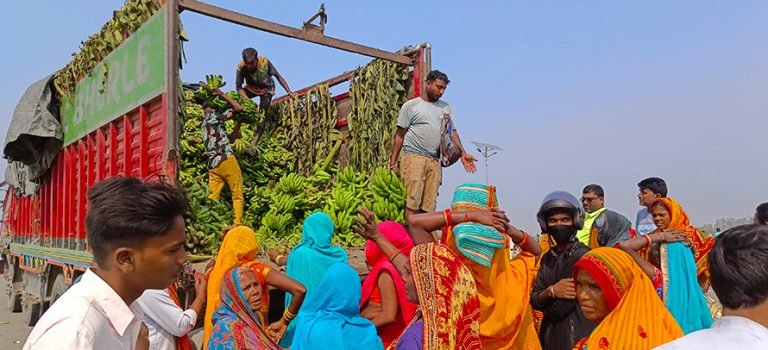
{"points": [[294, 169], [124, 22], [377, 91], [308, 122]]}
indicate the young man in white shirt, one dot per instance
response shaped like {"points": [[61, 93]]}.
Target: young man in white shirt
{"points": [[168, 323], [135, 231], [738, 264]]}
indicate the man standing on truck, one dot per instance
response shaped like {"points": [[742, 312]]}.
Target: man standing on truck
{"points": [[418, 135], [254, 78], [135, 231], [222, 165]]}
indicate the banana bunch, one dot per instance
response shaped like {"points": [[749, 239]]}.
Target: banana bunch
{"points": [[377, 91], [205, 92], [125, 21], [389, 195], [251, 113], [308, 122]]}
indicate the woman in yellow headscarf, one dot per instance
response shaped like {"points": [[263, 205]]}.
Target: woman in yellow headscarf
{"points": [[481, 236], [615, 292], [239, 249]]}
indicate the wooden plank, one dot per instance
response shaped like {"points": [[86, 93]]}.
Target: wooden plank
{"points": [[279, 29]]}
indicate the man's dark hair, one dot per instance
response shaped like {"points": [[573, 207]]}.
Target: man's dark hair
{"points": [[762, 213], [596, 189], [437, 75], [655, 184], [249, 54], [738, 268], [125, 211]]}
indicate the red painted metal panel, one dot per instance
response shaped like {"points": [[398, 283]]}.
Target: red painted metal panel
{"points": [[132, 144], [81, 188], [143, 143]]}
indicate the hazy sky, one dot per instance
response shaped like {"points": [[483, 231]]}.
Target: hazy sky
{"points": [[575, 92]]}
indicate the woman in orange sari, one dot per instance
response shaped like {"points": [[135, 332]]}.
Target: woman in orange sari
{"points": [[615, 292], [482, 238], [675, 219], [239, 249]]}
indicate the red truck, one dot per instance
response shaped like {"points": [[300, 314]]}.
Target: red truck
{"points": [[126, 126]]}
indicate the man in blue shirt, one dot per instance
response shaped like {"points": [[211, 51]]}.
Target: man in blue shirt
{"points": [[651, 190]]}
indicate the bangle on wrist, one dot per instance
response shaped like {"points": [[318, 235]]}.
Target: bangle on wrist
{"points": [[393, 255], [466, 216], [447, 216], [277, 258], [522, 241], [288, 315], [648, 240], [552, 291]]}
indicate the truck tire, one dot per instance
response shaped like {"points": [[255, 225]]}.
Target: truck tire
{"points": [[31, 313], [14, 299], [58, 288]]}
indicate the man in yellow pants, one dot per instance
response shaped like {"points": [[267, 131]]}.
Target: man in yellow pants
{"points": [[222, 165]]}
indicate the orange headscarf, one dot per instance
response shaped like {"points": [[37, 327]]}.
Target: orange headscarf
{"points": [[679, 221], [638, 319], [239, 248]]}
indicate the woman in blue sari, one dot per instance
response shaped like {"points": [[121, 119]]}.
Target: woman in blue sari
{"points": [[330, 318], [672, 269], [311, 258]]}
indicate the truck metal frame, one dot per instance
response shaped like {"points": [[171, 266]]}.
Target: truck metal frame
{"points": [[46, 248]]}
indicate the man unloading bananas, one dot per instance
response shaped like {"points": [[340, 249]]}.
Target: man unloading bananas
{"points": [[254, 78], [222, 165]]}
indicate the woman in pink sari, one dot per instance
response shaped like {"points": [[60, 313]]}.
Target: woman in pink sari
{"points": [[384, 298]]}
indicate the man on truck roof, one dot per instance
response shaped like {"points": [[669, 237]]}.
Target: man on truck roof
{"points": [[136, 233], [222, 164], [254, 78]]}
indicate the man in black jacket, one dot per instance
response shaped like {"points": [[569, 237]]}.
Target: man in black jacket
{"points": [[554, 292]]}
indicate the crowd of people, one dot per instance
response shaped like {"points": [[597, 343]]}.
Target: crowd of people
{"points": [[459, 278]]}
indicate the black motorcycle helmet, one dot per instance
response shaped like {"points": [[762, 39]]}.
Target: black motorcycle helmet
{"points": [[563, 200]]}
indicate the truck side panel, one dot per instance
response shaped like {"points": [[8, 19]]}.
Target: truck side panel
{"points": [[131, 145]]}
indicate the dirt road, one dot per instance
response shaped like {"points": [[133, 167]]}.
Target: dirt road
{"points": [[13, 331]]}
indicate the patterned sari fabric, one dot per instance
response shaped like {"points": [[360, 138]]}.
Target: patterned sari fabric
{"points": [[330, 319], [396, 234], [638, 319], [239, 248], [236, 326], [679, 221], [503, 285], [682, 294], [447, 299]]}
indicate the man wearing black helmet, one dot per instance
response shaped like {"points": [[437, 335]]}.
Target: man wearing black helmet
{"points": [[554, 294]]}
